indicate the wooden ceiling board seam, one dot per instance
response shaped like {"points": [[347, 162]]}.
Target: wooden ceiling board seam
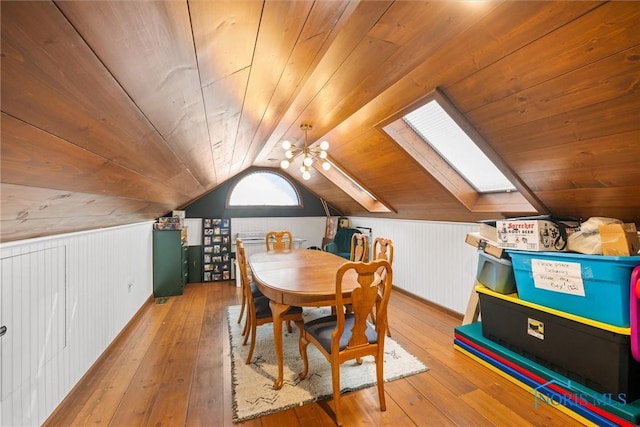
{"points": [[100, 23], [229, 60], [590, 41], [18, 18], [33, 157], [350, 29], [401, 94], [304, 56], [562, 94], [439, 27], [581, 124], [274, 39]]}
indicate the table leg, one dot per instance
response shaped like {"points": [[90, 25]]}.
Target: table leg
{"points": [[277, 310]]}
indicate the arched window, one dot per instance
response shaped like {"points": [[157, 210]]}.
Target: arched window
{"points": [[264, 188]]}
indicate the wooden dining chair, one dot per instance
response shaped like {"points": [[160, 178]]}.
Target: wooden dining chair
{"points": [[254, 291], [258, 310], [349, 335], [279, 240], [359, 247], [382, 249]]}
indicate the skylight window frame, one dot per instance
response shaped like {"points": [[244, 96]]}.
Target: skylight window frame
{"points": [[363, 196], [522, 200], [443, 133]]}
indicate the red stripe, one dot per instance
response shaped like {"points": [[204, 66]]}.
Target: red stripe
{"points": [[596, 409]]}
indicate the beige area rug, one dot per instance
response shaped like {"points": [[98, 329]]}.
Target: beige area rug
{"points": [[253, 393]]}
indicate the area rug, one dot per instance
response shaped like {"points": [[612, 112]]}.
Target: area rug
{"points": [[252, 385]]}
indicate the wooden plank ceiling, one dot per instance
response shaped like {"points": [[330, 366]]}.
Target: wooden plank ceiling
{"points": [[117, 112]]}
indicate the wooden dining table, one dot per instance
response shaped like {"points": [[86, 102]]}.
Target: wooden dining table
{"points": [[297, 277]]}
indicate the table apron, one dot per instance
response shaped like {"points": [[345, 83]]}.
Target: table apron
{"points": [[300, 300]]}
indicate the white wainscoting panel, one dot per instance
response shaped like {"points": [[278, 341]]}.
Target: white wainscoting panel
{"points": [[64, 299], [431, 259], [309, 228], [34, 312]]}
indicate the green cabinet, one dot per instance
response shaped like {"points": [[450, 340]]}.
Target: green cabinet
{"points": [[195, 264], [170, 263]]}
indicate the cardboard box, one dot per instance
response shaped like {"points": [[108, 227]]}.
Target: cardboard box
{"points": [[476, 240], [533, 235], [619, 239], [489, 232], [168, 223]]}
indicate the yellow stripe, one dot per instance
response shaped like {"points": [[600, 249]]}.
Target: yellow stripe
{"points": [[514, 298], [527, 387]]}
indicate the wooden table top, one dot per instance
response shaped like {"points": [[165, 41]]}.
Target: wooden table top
{"points": [[299, 277]]}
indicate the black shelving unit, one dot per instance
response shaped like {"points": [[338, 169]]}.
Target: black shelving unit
{"points": [[216, 253]]}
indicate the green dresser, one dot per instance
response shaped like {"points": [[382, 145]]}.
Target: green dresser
{"points": [[170, 263]]}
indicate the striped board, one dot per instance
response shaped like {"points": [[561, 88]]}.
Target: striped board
{"points": [[546, 387]]}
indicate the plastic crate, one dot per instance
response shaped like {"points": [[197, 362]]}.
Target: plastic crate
{"points": [[591, 286], [495, 273], [563, 345]]}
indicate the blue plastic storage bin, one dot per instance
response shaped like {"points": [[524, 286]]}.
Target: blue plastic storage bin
{"points": [[595, 287]]}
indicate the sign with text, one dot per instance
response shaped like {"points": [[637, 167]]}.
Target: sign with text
{"points": [[558, 276]]}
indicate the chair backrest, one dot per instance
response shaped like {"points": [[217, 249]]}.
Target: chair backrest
{"points": [[359, 247], [383, 249], [364, 299], [241, 259], [279, 240]]}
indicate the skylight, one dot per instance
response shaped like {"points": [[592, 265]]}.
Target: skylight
{"points": [[445, 144], [443, 134]]}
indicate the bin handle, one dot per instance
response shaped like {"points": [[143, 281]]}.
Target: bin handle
{"points": [[634, 306]]}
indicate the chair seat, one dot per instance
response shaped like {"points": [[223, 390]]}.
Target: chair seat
{"points": [[255, 291], [263, 310], [322, 328]]}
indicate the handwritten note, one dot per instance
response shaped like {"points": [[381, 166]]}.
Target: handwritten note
{"points": [[558, 276]]}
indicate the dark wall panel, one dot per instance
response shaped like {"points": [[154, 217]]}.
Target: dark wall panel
{"points": [[213, 204]]}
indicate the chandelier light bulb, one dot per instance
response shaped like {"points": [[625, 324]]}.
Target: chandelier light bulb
{"points": [[306, 153]]}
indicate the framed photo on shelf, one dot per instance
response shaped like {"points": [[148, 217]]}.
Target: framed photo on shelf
{"points": [[216, 259]]}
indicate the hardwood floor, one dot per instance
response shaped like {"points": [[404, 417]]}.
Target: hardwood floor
{"points": [[170, 367]]}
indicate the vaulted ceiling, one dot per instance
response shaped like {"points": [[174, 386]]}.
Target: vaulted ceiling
{"points": [[117, 112]]}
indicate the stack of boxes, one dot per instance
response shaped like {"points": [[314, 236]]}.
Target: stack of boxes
{"points": [[174, 222], [567, 315]]}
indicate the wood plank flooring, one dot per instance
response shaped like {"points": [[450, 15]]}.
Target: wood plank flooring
{"points": [[170, 367]]}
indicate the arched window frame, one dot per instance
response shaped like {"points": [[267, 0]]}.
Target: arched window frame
{"points": [[286, 180]]}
